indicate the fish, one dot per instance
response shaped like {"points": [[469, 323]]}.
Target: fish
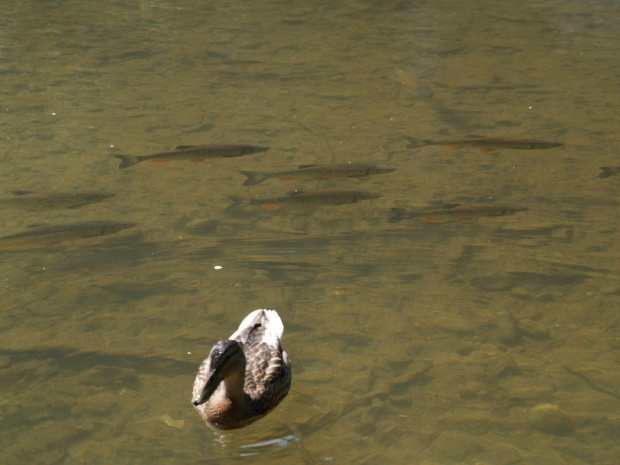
{"points": [[609, 171], [52, 234], [30, 202], [193, 153], [310, 199], [326, 171], [455, 211], [486, 144]]}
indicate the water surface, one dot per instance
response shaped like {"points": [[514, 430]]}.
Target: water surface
{"points": [[491, 340]]}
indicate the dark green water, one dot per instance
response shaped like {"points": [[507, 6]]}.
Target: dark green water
{"points": [[480, 341]]}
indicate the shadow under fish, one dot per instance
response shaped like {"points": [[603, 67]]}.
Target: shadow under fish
{"points": [[53, 234], [318, 172], [71, 360], [308, 200], [455, 212], [486, 144], [193, 153], [30, 202]]}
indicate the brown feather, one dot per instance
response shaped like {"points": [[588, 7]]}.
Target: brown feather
{"points": [[266, 380]]}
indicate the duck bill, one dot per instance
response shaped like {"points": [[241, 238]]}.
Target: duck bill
{"points": [[210, 387]]}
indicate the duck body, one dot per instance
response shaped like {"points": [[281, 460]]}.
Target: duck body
{"points": [[245, 376]]}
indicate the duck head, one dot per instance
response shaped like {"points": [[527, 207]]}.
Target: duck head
{"points": [[226, 361]]}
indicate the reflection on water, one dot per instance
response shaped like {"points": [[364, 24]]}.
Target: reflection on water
{"points": [[486, 340]]}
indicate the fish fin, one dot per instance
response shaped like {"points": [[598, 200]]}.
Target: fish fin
{"points": [[183, 147], [159, 162], [21, 192], [416, 142], [254, 177], [237, 202], [398, 214], [607, 171], [270, 206], [306, 166], [128, 160]]}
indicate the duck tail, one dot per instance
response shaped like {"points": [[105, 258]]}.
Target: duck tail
{"points": [[270, 322], [274, 323]]}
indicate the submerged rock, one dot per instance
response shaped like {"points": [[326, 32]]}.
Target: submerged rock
{"points": [[548, 418]]}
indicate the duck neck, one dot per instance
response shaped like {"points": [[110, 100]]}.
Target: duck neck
{"points": [[233, 384]]}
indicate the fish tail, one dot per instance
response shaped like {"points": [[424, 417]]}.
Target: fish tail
{"points": [[398, 214], [128, 160], [607, 171], [236, 202], [254, 177], [416, 142]]}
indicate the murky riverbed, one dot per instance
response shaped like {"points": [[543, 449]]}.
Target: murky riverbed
{"points": [[429, 340]]}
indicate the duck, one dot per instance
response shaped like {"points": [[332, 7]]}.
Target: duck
{"points": [[245, 376]]}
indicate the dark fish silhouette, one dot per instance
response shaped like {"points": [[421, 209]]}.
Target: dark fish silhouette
{"points": [[608, 171], [310, 199], [29, 201], [51, 234], [457, 212], [486, 144], [326, 171], [193, 153]]}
